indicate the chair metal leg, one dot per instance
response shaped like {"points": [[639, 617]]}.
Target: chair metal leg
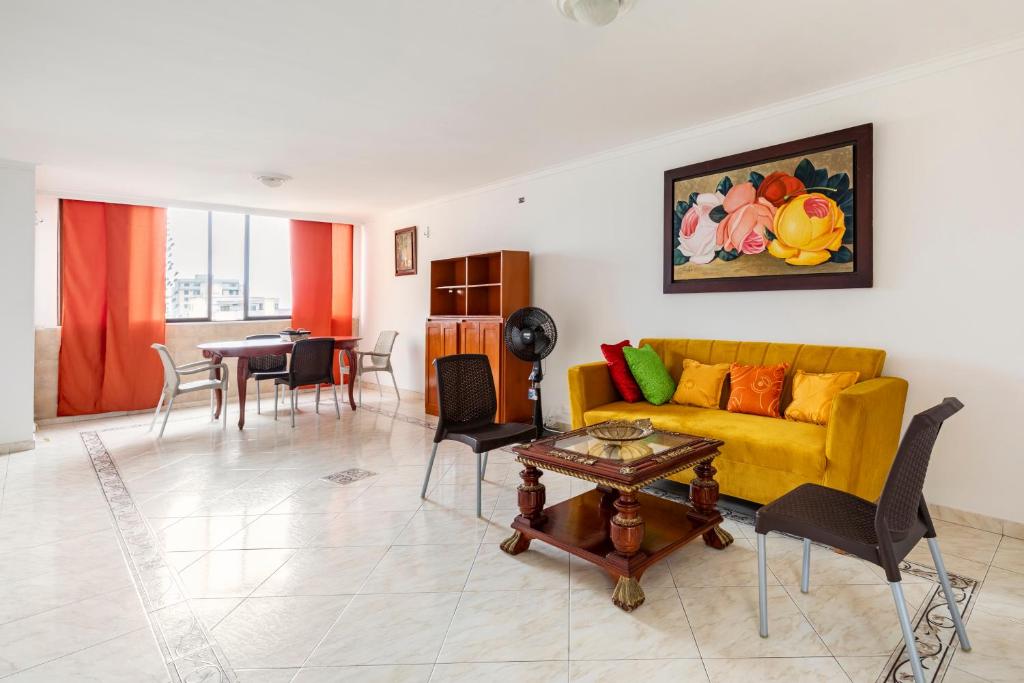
{"points": [[317, 399], [805, 576], [337, 406], [359, 375], [277, 401], [762, 586], [430, 466], [908, 630], [398, 397], [947, 590], [295, 403], [479, 481], [167, 414], [483, 468], [258, 407], [156, 413]]}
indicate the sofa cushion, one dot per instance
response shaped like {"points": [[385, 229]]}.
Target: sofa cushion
{"points": [[771, 443], [622, 377], [650, 373]]}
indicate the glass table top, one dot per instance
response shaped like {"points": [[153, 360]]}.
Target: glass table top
{"points": [[653, 444]]}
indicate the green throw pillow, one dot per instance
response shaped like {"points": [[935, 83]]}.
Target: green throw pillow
{"points": [[650, 373]]}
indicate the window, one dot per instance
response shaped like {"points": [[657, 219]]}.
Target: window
{"points": [[188, 248], [226, 266], [270, 268]]}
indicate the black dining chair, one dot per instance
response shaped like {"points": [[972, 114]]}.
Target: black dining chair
{"points": [[467, 405], [312, 363], [882, 533], [271, 366]]}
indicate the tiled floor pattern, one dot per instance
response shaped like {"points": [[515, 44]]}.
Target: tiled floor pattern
{"points": [[298, 579]]}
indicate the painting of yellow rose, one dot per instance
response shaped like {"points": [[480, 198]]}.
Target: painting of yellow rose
{"points": [[795, 215]]}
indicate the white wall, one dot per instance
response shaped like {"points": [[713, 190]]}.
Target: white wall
{"points": [[17, 211], [949, 239]]}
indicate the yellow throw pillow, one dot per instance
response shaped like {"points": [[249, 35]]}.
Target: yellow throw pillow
{"points": [[701, 385], [813, 394]]}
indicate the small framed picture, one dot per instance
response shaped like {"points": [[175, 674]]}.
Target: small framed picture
{"points": [[405, 251]]}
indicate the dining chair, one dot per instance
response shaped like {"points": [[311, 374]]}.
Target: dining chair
{"points": [[174, 387], [270, 366], [882, 533], [312, 363], [467, 405], [376, 361]]}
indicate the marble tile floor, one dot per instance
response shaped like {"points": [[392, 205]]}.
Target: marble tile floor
{"points": [[215, 554]]}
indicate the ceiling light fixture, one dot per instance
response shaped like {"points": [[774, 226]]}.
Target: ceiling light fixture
{"points": [[594, 12], [272, 179]]}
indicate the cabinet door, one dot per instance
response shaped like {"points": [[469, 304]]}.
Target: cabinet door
{"points": [[450, 329], [469, 337], [491, 345], [442, 340], [435, 349]]}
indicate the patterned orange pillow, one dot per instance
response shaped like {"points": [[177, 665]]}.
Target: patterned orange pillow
{"points": [[756, 389]]}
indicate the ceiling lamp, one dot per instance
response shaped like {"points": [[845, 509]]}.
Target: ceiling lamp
{"points": [[272, 179], [593, 12]]}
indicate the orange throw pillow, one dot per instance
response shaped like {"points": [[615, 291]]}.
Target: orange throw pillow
{"points": [[756, 389], [813, 394]]}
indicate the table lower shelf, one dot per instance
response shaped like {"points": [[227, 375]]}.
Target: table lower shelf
{"points": [[581, 526]]}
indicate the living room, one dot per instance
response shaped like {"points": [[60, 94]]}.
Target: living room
{"points": [[346, 175]]}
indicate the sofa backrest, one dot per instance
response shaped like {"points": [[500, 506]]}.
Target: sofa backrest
{"points": [[806, 357]]}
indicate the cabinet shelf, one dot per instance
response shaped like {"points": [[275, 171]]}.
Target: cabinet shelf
{"points": [[486, 284]]}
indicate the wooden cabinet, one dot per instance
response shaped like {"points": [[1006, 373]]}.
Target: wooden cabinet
{"points": [[470, 298]]}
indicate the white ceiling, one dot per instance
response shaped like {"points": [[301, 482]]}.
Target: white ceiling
{"points": [[377, 104]]}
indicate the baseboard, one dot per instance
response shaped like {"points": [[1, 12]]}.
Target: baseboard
{"points": [[976, 520], [17, 446]]}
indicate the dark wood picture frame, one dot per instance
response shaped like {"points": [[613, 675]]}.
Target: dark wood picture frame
{"points": [[399, 234], [860, 137]]}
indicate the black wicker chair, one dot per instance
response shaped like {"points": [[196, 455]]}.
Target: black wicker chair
{"points": [[312, 363], [467, 404], [882, 533], [271, 366]]}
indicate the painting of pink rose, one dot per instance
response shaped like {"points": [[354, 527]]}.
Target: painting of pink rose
{"points": [[698, 234], [795, 215]]}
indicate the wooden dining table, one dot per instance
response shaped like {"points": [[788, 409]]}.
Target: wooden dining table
{"points": [[244, 349]]}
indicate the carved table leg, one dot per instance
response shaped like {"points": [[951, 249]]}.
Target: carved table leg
{"points": [[216, 375], [350, 359], [704, 498], [531, 508], [627, 532], [242, 370]]}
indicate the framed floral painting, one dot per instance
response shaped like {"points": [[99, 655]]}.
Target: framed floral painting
{"points": [[790, 216]]}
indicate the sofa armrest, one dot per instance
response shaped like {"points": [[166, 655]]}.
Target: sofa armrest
{"points": [[590, 385], [863, 435]]}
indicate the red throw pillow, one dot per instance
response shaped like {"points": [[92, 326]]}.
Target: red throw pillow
{"points": [[622, 378], [756, 389]]}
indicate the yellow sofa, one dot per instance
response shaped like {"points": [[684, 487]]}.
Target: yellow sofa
{"points": [[765, 457]]}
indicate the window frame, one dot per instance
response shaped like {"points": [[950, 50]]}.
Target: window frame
{"points": [[209, 281]]}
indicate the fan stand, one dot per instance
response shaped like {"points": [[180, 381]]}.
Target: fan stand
{"points": [[538, 411]]}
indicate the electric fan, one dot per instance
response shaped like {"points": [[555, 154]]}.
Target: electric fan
{"points": [[530, 335]]}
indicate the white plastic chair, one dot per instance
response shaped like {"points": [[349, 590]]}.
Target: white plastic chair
{"points": [[378, 360], [173, 386]]}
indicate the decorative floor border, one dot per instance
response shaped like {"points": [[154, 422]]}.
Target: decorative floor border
{"points": [[189, 651]]}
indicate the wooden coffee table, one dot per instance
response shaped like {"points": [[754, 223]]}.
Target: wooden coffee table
{"points": [[615, 526]]}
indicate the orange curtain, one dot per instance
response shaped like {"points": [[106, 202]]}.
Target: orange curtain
{"points": [[321, 255], [112, 306]]}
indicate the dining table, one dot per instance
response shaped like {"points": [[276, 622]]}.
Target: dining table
{"points": [[244, 349]]}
